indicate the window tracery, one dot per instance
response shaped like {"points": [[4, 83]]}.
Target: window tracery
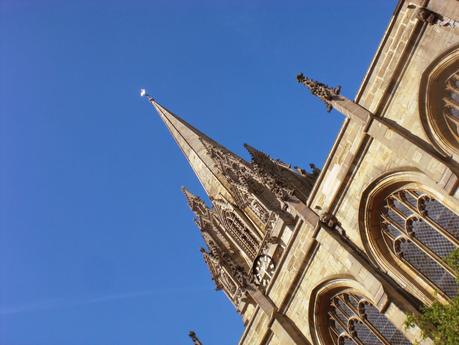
{"points": [[353, 320], [422, 232], [228, 283], [439, 102], [260, 211], [451, 102], [241, 234]]}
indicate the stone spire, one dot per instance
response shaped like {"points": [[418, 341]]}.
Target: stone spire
{"points": [[241, 215], [236, 215], [198, 150]]}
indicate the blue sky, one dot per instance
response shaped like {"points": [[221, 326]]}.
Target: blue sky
{"points": [[97, 245]]}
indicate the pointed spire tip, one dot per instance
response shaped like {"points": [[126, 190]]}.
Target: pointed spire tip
{"points": [[144, 93], [187, 193]]}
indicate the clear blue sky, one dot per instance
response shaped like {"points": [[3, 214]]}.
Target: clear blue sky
{"points": [[97, 245]]}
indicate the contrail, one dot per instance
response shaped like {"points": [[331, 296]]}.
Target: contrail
{"points": [[60, 303]]}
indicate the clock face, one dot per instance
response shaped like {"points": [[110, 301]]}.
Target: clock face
{"points": [[263, 270]]}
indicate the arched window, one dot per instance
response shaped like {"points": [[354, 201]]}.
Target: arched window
{"points": [[451, 102], [422, 232], [353, 320], [439, 101]]}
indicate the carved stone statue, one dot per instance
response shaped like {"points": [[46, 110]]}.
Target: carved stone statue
{"points": [[324, 92], [432, 18]]}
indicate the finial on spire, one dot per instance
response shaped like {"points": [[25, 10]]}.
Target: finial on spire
{"points": [[260, 157], [192, 199], [323, 91], [197, 205], [144, 93], [187, 193], [194, 338], [257, 156]]}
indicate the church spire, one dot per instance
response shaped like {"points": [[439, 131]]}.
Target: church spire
{"points": [[196, 146], [244, 208]]}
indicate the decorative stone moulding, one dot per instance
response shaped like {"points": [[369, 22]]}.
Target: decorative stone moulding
{"points": [[439, 102]]}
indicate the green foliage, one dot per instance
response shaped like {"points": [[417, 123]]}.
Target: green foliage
{"points": [[440, 322], [453, 262]]}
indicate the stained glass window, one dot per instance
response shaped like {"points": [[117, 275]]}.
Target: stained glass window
{"points": [[451, 102], [355, 321], [422, 232]]}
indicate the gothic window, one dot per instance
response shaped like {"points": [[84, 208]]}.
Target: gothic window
{"points": [[352, 320], [422, 232], [451, 103], [243, 236], [441, 99]]}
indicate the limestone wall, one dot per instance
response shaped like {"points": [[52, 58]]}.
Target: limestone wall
{"points": [[363, 155]]}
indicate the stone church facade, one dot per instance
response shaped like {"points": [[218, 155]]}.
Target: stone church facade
{"points": [[341, 255]]}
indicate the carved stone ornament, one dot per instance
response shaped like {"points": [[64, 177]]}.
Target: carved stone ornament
{"points": [[269, 173], [194, 338], [432, 18], [217, 262], [197, 205], [226, 274], [248, 181], [235, 169], [230, 219], [245, 286], [329, 219], [228, 283], [242, 294], [244, 182], [213, 262], [283, 181], [260, 211], [323, 91], [268, 233]]}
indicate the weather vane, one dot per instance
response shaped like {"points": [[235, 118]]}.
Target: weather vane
{"points": [[143, 93]]}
